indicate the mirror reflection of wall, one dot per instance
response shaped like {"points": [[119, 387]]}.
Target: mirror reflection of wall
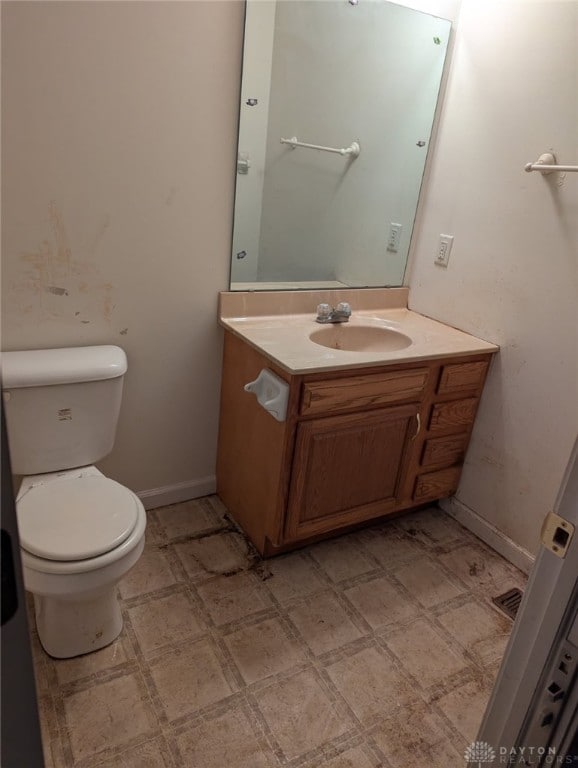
{"points": [[331, 73]]}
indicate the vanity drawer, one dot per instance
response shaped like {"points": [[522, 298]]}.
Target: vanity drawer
{"points": [[453, 415], [444, 450], [437, 485], [374, 390], [461, 376]]}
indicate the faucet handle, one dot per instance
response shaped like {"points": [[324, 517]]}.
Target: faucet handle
{"points": [[323, 311], [344, 308]]}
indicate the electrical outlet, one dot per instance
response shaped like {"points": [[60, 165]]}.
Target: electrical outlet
{"points": [[394, 237], [444, 250]]}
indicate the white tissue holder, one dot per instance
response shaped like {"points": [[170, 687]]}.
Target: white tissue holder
{"points": [[272, 393]]}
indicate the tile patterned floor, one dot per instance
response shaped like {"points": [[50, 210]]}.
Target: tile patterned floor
{"points": [[374, 650]]}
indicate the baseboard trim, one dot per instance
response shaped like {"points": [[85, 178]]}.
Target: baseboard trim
{"points": [[173, 494], [489, 534]]}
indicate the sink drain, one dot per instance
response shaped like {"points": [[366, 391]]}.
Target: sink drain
{"points": [[509, 602]]}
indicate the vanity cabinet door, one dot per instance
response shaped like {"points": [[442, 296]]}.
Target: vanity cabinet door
{"points": [[348, 468]]}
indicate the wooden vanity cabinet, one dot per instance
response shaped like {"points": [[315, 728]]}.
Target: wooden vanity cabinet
{"points": [[356, 445]]}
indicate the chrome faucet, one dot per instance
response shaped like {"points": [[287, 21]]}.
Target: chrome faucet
{"points": [[328, 314]]}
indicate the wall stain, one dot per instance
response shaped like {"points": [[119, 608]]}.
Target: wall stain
{"points": [[36, 276], [63, 253], [49, 272], [493, 462], [124, 332], [108, 305], [99, 234], [56, 290]]}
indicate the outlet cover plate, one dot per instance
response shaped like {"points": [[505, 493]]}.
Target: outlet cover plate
{"points": [[443, 250]]}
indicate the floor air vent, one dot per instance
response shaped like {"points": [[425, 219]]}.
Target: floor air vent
{"points": [[509, 602]]}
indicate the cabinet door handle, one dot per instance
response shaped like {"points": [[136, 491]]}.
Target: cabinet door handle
{"points": [[418, 430]]}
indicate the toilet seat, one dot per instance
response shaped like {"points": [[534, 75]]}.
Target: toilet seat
{"points": [[75, 519]]}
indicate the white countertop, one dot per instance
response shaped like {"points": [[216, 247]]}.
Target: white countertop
{"points": [[285, 340]]}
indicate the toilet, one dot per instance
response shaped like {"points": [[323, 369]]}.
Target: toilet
{"points": [[80, 532]]}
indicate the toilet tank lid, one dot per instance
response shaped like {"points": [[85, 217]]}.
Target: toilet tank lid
{"points": [[43, 367]]}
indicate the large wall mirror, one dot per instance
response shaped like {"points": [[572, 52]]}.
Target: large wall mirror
{"points": [[359, 80]]}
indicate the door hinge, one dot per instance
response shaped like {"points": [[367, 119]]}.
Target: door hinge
{"points": [[557, 534]]}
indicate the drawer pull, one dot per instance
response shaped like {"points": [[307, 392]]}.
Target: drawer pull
{"points": [[418, 429]]}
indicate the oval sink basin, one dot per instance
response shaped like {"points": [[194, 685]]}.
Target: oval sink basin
{"points": [[360, 338]]}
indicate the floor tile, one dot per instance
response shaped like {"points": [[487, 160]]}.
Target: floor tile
{"points": [[187, 519], [220, 554], [225, 741], [42, 680], [427, 583], [425, 654], [292, 576], [370, 683], [117, 653], [152, 754], [185, 552], [216, 505], [480, 630], [341, 559], [407, 737], [465, 707], [228, 598], [47, 715], [30, 611], [53, 753], [444, 754], [388, 546], [300, 714], [323, 623], [41, 662], [152, 572], [482, 570], [381, 603], [107, 715], [351, 758], [432, 527], [491, 672], [262, 650], [188, 679], [39, 655], [155, 534], [165, 620]]}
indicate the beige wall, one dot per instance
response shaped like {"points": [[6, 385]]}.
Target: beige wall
{"points": [[119, 139], [513, 272]]}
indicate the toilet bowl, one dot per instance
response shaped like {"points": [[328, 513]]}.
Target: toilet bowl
{"points": [[80, 533]]}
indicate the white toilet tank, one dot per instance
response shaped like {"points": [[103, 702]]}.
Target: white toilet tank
{"points": [[61, 406]]}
